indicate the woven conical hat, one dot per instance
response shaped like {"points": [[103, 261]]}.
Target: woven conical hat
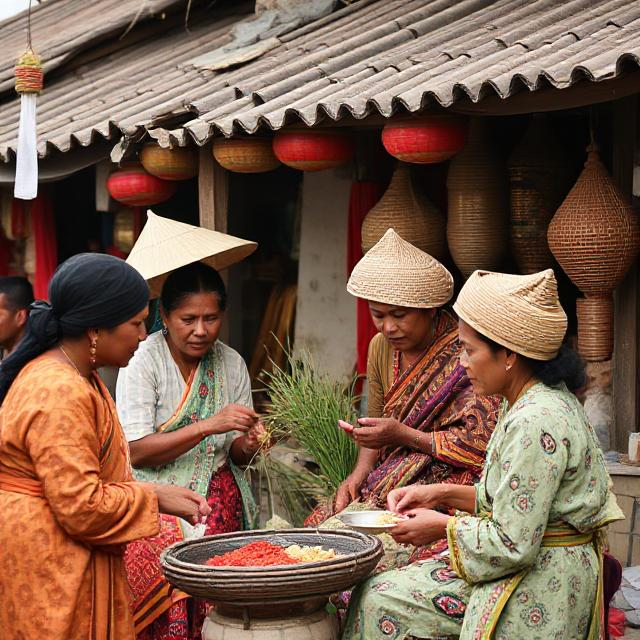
{"points": [[522, 313], [165, 245], [395, 272]]}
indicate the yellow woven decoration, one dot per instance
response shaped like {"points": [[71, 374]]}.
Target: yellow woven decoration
{"points": [[28, 73]]}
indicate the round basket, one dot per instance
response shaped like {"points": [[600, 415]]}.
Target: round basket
{"points": [[477, 196], [245, 155], [259, 587], [179, 163], [540, 173], [409, 213], [595, 327]]}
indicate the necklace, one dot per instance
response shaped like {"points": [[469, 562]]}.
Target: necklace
{"points": [[71, 362]]}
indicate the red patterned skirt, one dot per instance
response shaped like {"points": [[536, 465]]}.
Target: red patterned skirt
{"points": [[160, 611]]}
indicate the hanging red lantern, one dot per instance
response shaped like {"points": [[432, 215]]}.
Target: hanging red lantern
{"points": [[245, 155], [133, 186], [180, 163], [425, 140], [313, 149]]}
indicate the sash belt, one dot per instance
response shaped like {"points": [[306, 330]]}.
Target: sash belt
{"points": [[17, 484]]}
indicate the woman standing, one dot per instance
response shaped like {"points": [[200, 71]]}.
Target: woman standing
{"points": [[67, 498], [525, 560], [185, 404], [425, 424]]}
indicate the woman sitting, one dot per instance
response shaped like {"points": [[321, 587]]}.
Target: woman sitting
{"points": [[68, 502], [524, 550], [185, 405], [426, 425]]}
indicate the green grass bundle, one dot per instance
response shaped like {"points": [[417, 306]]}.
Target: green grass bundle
{"points": [[306, 405]]}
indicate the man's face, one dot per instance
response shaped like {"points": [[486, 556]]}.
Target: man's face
{"points": [[11, 323]]}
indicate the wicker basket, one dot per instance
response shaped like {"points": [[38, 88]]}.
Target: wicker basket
{"points": [[180, 163], [245, 155], [540, 174], [595, 322], [257, 587], [595, 237], [409, 213], [477, 195]]}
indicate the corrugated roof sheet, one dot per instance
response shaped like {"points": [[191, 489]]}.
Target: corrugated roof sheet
{"points": [[371, 56], [61, 28]]}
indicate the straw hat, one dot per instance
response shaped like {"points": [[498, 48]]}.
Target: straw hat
{"points": [[522, 313], [165, 245], [395, 272]]}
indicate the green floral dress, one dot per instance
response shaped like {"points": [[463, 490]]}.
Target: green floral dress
{"points": [[504, 575]]}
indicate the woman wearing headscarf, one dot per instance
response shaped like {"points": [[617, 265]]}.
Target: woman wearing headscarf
{"points": [[68, 501], [425, 424], [185, 404], [524, 555]]}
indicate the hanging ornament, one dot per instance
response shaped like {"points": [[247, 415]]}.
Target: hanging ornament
{"points": [[245, 155], [29, 81], [410, 213], [426, 140], [478, 211], [179, 163], [595, 237], [133, 186], [540, 172], [313, 149]]}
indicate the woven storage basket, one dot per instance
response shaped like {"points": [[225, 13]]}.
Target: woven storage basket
{"points": [[595, 237], [245, 155], [180, 163], [183, 565], [410, 213], [477, 195], [540, 173], [595, 321]]}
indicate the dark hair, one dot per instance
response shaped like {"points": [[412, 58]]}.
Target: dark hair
{"points": [[194, 278], [88, 291], [567, 366], [18, 292]]}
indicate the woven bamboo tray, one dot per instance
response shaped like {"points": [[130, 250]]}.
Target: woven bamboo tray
{"points": [[240, 587]]}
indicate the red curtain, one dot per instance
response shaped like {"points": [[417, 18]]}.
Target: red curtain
{"points": [[364, 196], [43, 228]]}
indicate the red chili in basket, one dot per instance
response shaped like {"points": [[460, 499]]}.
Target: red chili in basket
{"points": [[254, 554]]}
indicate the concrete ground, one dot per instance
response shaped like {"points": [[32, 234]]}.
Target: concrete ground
{"points": [[631, 634]]}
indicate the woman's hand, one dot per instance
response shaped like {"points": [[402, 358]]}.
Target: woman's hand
{"points": [[181, 502], [416, 496], [376, 433], [349, 489], [254, 439], [422, 527], [233, 417]]}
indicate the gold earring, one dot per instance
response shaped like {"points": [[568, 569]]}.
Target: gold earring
{"points": [[92, 351], [507, 367]]}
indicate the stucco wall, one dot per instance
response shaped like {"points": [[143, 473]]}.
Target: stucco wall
{"points": [[326, 313]]}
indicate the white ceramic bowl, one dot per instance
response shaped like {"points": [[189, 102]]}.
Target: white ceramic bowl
{"points": [[367, 521]]}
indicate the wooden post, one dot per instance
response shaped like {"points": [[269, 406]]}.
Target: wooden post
{"points": [[213, 192], [213, 197], [627, 317]]}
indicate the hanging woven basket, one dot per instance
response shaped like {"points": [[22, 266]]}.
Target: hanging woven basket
{"points": [[180, 163], [313, 149], [595, 322], [425, 140], [595, 238], [124, 229], [477, 230], [409, 213], [133, 186], [540, 174], [245, 155]]}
